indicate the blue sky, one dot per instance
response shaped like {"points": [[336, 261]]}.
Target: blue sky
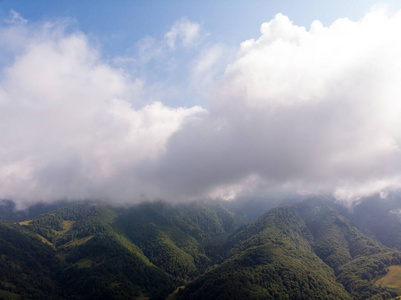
{"points": [[118, 25], [184, 100]]}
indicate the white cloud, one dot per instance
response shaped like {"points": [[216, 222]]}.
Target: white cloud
{"points": [[313, 111], [184, 31], [69, 129], [15, 18], [303, 110]]}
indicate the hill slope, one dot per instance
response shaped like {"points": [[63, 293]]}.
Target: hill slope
{"points": [[102, 252], [307, 250], [27, 266], [304, 251]]}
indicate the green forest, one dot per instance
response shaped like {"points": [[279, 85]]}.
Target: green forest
{"points": [[313, 249]]}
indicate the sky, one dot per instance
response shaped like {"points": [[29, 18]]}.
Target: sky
{"points": [[130, 101]]}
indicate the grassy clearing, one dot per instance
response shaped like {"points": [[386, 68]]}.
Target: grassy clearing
{"points": [[173, 295], [392, 280], [88, 263], [67, 225], [25, 222], [45, 241], [9, 295], [84, 263], [78, 242]]}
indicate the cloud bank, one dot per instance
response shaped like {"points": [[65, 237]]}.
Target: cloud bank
{"points": [[69, 128], [311, 111], [301, 110]]}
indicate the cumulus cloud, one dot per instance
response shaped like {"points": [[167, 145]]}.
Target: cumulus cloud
{"points": [[305, 110], [313, 110], [69, 129]]}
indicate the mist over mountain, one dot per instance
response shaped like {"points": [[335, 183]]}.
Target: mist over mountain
{"points": [[185, 166]]}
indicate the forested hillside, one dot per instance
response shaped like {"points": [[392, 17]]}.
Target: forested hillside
{"points": [[313, 249], [101, 252], [304, 251]]}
